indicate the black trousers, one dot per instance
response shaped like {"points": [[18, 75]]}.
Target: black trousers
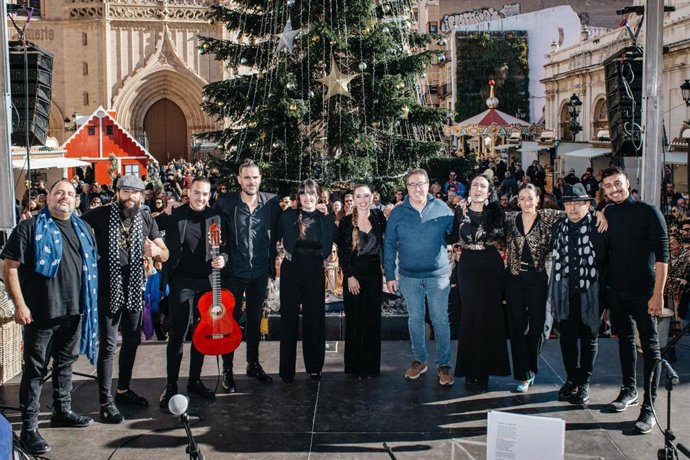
{"points": [[302, 283], [255, 290], [363, 319], [183, 313], [626, 312], [526, 295], [578, 362], [57, 338], [129, 322]]}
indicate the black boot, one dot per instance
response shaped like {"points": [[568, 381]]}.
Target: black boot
{"points": [[33, 442], [169, 391]]}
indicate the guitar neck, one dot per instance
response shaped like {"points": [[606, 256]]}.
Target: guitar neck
{"points": [[215, 277]]}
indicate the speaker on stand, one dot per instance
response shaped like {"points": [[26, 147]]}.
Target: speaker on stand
{"points": [[623, 73], [37, 78]]}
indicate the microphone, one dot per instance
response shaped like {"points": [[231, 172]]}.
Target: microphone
{"points": [[178, 404], [670, 373]]}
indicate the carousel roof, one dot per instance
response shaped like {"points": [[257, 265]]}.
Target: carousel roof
{"points": [[493, 116], [490, 122]]}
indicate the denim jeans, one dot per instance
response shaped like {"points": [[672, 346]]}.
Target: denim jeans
{"points": [[435, 290]]}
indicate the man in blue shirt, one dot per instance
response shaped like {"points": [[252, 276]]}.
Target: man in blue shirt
{"points": [[416, 234]]}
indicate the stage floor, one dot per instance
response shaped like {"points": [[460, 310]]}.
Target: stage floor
{"points": [[342, 417]]}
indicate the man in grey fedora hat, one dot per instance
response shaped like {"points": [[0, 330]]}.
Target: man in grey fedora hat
{"points": [[578, 260]]}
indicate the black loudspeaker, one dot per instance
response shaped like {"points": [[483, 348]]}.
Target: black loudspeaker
{"points": [[40, 79], [623, 73]]}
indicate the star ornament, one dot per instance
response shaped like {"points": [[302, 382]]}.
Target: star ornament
{"points": [[287, 38], [336, 82]]}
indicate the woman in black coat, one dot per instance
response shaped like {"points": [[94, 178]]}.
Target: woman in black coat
{"points": [[307, 235], [360, 244]]}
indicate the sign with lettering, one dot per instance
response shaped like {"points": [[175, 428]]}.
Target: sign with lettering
{"points": [[35, 34], [477, 16]]}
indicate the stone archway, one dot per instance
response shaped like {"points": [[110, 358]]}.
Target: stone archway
{"points": [[166, 130]]}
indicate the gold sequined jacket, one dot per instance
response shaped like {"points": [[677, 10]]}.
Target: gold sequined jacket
{"points": [[538, 238]]}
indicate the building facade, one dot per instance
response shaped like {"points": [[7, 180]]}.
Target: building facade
{"points": [[137, 58]]}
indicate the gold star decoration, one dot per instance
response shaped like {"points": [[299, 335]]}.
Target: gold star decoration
{"points": [[336, 82], [287, 38]]}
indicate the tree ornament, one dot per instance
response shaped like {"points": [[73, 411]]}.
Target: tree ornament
{"points": [[252, 124], [287, 38], [400, 85], [362, 66], [442, 42], [336, 82], [292, 107], [243, 61], [290, 86], [315, 38], [442, 58], [404, 111], [386, 8], [385, 30], [276, 145], [290, 3]]}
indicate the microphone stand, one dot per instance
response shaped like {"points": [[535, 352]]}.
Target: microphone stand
{"points": [[669, 452], [192, 448]]}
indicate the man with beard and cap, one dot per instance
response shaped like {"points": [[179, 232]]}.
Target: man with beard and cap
{"points": [[125, 234], [49, 267], [252, 218]]}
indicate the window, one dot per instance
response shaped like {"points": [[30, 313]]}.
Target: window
{"points": [[132, 170], [433, 27], [86, 98], [84, 39], [109, 130], [92, 130], [85, 68]]}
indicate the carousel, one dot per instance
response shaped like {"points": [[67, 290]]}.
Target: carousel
{"points": [[491, 130]]}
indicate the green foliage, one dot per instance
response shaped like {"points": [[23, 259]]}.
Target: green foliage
{"points": [[498, 56], [274, 110]]}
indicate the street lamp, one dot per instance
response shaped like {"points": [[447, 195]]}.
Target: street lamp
{"points": [[685, 91], [574, 108]]}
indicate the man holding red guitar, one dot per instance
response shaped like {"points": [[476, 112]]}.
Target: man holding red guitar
{"points": [[252, 218], [191, 232]]}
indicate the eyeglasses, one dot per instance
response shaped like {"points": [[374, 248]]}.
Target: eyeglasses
{"points": [[452, 175], [417, 184]]}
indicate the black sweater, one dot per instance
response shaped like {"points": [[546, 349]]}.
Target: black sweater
{"points": [[636, 240]]}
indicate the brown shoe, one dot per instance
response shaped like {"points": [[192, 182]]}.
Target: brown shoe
{"points": [[416, 369], [445, 378]]}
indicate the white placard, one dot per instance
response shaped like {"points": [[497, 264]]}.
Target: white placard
{"points": [[524, 437]]}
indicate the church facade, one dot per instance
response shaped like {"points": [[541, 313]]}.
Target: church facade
{"points": [[137, 58]]}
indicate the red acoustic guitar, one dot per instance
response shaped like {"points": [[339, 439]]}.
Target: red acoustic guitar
{"points": [[217, 331]]}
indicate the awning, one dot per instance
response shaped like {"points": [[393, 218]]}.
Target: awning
{"points": [[47, 163], [505, 146], [589, 153], [676, 158], [531, 148]]}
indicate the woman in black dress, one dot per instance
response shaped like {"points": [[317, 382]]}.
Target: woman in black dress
{"points": [[360, 242], [307, 235], [482, 347]]}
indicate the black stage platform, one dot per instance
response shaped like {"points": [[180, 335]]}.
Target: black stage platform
{"points": [[342, 417]]}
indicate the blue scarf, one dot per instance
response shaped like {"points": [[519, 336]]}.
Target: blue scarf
{"points": [[48, 249]]}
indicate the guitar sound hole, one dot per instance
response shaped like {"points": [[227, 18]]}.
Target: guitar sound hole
{"points": [[217, 311]]}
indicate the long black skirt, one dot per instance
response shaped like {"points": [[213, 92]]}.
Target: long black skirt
{"points": [[363, 319], [482, 342]]}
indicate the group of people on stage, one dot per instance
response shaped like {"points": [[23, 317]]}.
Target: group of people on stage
{"points": [[76, 281], [620, 254]]}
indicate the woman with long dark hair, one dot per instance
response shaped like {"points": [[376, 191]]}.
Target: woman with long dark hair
{"points": [[482, 347], [360, 242], [307, 235]]}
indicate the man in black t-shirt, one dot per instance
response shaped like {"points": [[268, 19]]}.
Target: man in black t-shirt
{"points": [[125, 234], [189, 268], [638, 254], [49, 305]]}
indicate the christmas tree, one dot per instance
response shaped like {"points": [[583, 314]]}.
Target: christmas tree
{"points": [[322, 89]]}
